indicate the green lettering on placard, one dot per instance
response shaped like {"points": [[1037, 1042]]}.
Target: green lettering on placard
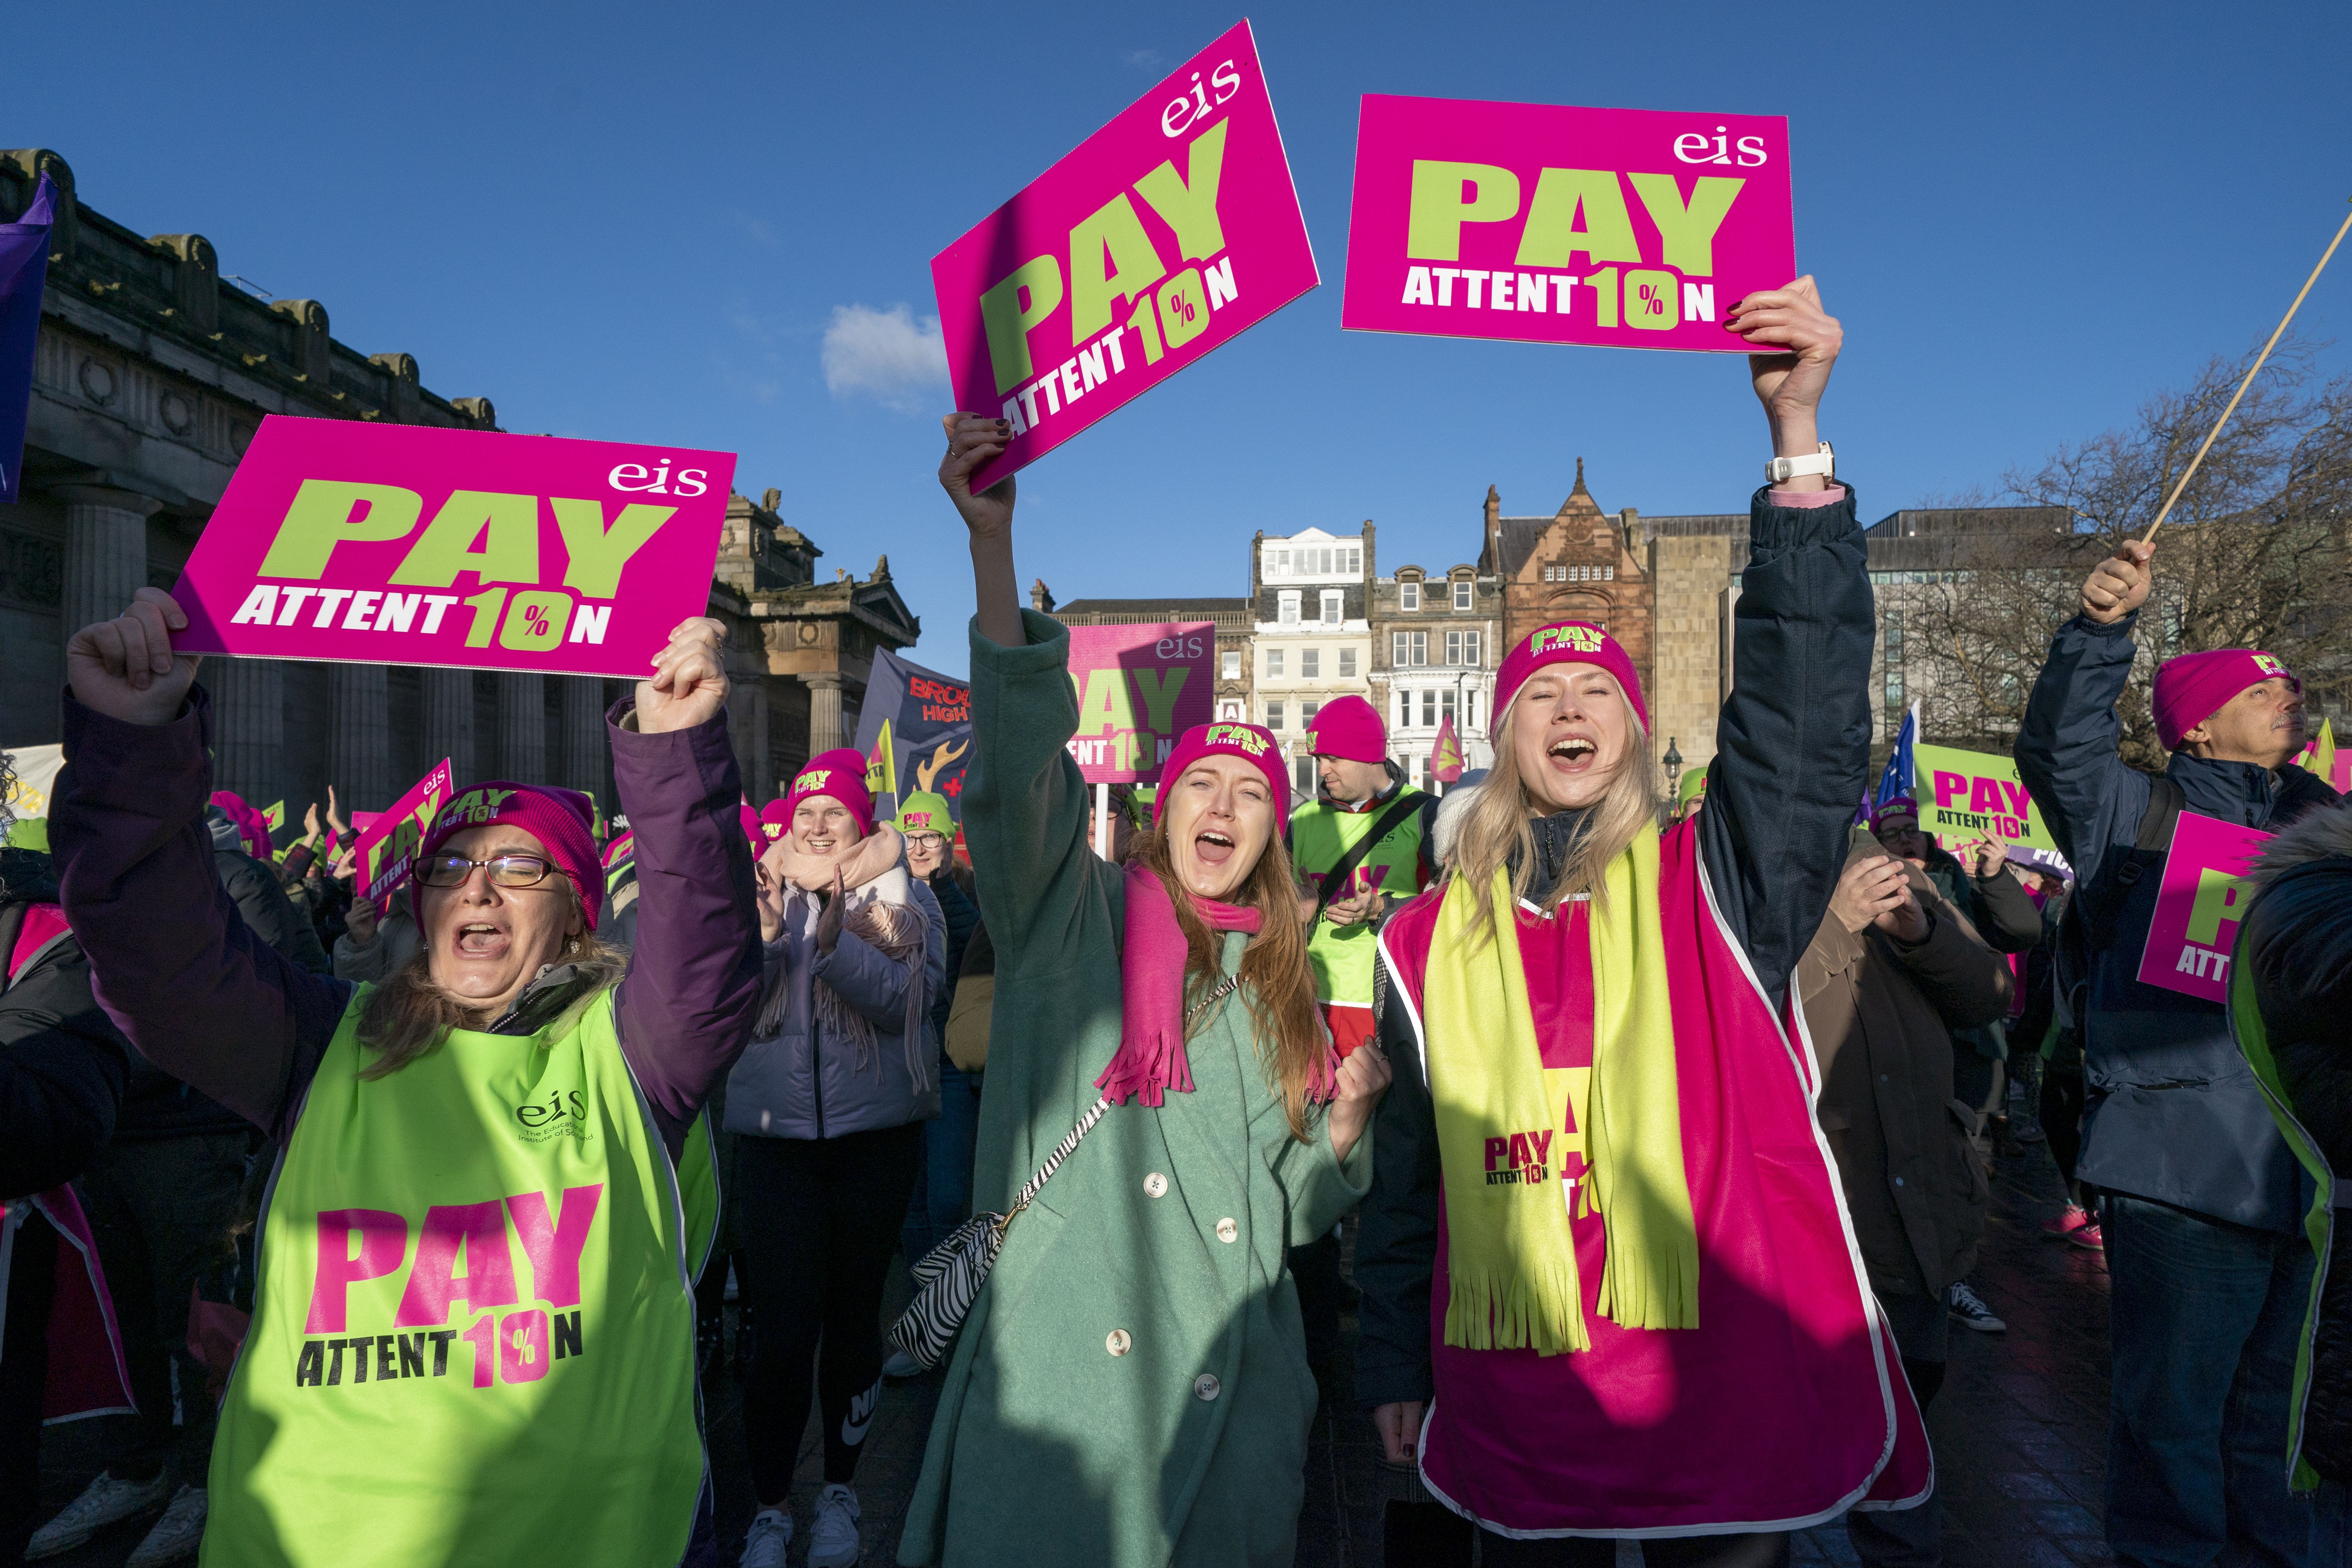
{"points": [[1183, 308], [1554, 236], [1189, 205], [535, 620], [1688, 231], [1604, 296], [1008, 323], [506, 526], [1158, 687], [598, 553], [325, 512], [1652, 299], [1107, 706], [1440, 207], [1147, 327], [1114, 231], [485, 605], [2220, 897]]}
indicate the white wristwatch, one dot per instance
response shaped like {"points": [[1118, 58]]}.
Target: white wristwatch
{"points": [[1780, 471]]}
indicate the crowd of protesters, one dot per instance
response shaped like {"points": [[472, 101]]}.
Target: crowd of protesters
{"points": [[402, 1229]]}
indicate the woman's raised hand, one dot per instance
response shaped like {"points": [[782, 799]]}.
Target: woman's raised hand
{"points": [[125, 667], [1799, 343], [972, 443], [688, 685]]}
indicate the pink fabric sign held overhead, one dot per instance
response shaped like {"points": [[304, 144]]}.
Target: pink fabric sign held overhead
{"points": [[404, 544], [2204, 892], [1166, 234], [1625, 229], [1138, 688]]}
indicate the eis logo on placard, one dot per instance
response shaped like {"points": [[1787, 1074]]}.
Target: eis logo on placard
{"points": [[563, 1114]]}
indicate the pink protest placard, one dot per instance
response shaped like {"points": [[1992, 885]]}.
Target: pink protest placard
{"points": [[1628, 228], [1139, 687], [404, 544], [1166, 234], [388, 845], [2204, 892]]}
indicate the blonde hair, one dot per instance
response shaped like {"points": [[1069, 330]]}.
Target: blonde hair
{"points": [[1496, 834], [408, 1016]]}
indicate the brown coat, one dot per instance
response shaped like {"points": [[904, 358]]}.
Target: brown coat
{"points": [[1880, 1016]]}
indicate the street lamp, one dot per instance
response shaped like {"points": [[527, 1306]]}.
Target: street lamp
{"points": [[1673, 769]]}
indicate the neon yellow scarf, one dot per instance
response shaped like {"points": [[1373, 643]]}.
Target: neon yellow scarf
{"points": [[1512, 1262]]}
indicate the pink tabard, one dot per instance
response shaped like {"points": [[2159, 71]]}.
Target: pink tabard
{"points": [[1786, 1405]]}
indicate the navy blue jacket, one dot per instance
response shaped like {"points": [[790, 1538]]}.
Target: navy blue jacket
{"points": [[2171, 1111], [1792, 753]]}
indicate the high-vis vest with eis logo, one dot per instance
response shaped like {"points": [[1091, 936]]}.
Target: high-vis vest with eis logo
{"points": [[1319, 839], [473, 1330]]}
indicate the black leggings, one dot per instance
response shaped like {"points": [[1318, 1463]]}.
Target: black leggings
{"points": [[817, 1221], [1762, 1550]]}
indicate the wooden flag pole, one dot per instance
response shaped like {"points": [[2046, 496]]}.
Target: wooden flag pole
{"points": [[2216, 431]]}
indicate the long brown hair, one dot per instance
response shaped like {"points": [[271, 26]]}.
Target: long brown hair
{"points": [[1291, 1042], [1495, 830], [408, 1016]]}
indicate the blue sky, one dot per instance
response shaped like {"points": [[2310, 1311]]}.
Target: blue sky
{"points": [[639, 222]]}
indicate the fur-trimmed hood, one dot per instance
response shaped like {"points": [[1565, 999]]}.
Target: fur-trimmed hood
{"points": [[2317, 836]]}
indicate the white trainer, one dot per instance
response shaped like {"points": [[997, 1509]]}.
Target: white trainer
{"points": [[177, 1535], [771, 1537], [104, 1501], [833, 1539]]}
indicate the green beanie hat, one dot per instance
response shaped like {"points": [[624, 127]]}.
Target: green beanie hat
{"points": [[923, 812]]}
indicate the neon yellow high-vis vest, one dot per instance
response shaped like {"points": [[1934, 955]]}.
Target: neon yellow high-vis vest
{"points": [[473, 1330], [1319, 837]]}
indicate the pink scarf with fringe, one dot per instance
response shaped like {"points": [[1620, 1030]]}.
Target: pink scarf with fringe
{"points": [[1150, 1059]]}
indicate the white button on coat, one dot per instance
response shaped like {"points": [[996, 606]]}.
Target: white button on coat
{"points": [[1156, 1185], [1118, 1341], [1228, 1231], [1207, 1386]]}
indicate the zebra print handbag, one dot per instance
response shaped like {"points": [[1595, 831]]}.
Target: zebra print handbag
{"points": [[949, 1277]]}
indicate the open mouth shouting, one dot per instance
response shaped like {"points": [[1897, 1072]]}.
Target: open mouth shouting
{"points": [[1212, 847], [481, 940], [1572, 754]]}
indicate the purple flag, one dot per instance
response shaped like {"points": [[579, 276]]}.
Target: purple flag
{"points": [[24, 267]]}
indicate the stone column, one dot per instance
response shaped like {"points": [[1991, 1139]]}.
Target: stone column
{"points": [[584, 764], [248, 728], [359, 736], [106, 551], [824, 712], [522, 729], [446, 699]]}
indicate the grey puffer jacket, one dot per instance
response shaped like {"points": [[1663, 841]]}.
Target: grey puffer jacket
{"points": [[798, 1080]]}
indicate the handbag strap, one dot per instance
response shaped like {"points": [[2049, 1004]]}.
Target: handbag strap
{"points": [[1070, 1140]]}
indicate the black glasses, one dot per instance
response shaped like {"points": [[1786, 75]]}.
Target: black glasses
{"points": [[505, 871], [925, 840]]}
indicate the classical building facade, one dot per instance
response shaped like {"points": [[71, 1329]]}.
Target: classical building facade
{"points": [[1436, 640], [1312, 598], [152, 371]]}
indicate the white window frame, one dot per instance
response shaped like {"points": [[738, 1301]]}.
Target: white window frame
{"points": [[1409, 595], [1310, 664], [1273, 663], [1335, 608], [1229, 662], [1460, 596], [1347, 663], [1289, 613], [1273, 714]]}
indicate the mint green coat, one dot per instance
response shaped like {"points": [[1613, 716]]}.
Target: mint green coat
{"points": [[1163, 1236]]}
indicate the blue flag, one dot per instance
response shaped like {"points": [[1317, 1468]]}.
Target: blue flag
{"points": [[24, 267], [1900, 781]]}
